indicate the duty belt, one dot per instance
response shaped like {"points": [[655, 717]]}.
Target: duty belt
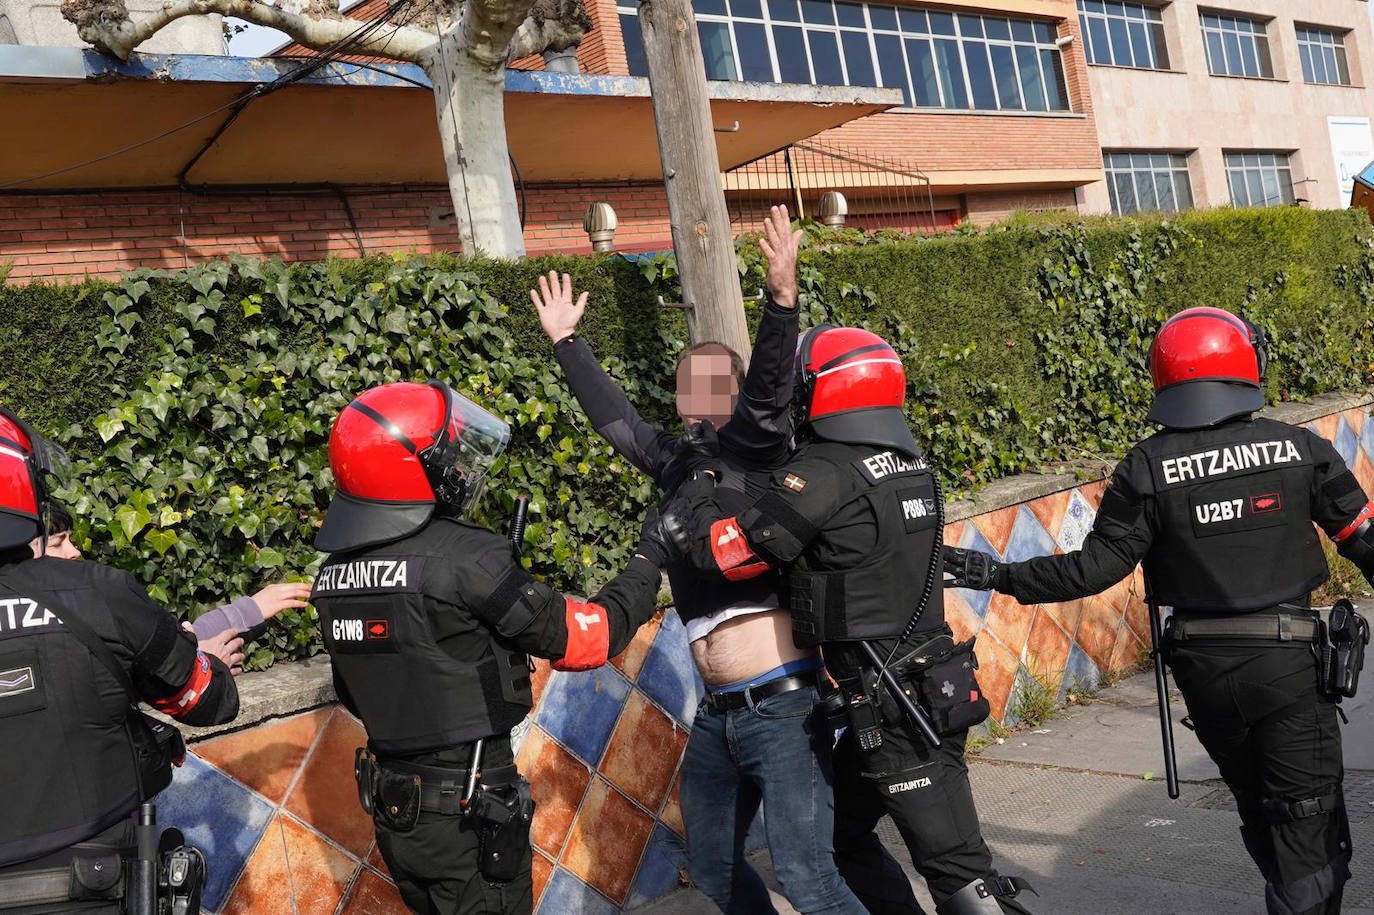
{"points": [[750, 696], [1277, 627], [441, 789]]}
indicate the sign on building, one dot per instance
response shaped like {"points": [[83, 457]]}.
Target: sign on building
{"points": [[1352, 148]]}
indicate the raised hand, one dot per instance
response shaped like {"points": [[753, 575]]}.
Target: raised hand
{"points": [[970, 569], [554, 302], [286, 595], [780, 244]]}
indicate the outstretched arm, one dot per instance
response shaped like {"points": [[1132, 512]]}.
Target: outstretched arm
{"points": [[613, 416], [760, 428]]}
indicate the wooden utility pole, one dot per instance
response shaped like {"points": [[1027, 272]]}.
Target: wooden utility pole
{"points": [[691, 174]]}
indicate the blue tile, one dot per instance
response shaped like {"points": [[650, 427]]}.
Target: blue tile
{"points": [[669, 675], [580, 709], [1028, 538], [973, 539], [1367, 437], [219, 816], [1346, 443], [567, 895], [658, 872], [1080, 671]]}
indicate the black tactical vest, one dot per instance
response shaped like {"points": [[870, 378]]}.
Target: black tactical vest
{"points": [[68, 766], [886, 515], [1231, 517], [421, 670], [696, 595]]}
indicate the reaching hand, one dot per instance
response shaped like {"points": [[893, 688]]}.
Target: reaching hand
{"points": [[554, 302], [971, 568], [654, 542], [227, 646], [780, 244], [285, 595]]}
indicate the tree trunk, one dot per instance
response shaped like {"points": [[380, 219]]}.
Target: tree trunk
{"points": [[691, 173], [475, 152]]}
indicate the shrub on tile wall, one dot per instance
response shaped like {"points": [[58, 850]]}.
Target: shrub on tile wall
{"points": [[197, 402]]}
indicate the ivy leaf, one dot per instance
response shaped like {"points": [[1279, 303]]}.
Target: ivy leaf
{"points": [[269, 558], [161, 540]]}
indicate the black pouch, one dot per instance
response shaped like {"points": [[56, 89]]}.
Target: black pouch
{"points": [[366, 774], [96, 876], [950, 692], [503, 816], [397, 800], [157, 748]]}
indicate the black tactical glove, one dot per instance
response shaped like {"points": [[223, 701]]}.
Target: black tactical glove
{"points": [[654, 543], [973, 569], [698, 450]]}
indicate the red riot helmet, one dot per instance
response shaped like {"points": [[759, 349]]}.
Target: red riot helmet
{"points": [[27, 459], [850, 388], [400, 452], [1207, 366]]}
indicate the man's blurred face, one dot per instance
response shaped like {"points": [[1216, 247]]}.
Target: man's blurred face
{"points": [[60, 546], [707, 389]]}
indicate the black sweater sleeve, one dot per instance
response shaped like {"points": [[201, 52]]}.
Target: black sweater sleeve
{"points": [[613, 416], [761, 427]]}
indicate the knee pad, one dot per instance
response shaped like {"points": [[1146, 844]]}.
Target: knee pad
{"points": [[979, 897]]}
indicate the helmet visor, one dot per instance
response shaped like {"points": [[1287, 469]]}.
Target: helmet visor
{"points": [[468, 443]]}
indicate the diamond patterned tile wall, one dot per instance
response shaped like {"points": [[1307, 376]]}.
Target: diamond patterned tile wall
{"points": [[275, 808]]}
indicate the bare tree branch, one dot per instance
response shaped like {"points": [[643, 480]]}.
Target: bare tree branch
{"points": [[552, 25], [106, 24]]}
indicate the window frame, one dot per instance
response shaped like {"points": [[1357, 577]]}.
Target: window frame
{"points": [[1309, 38], [1228, 31], [1153, 29], [1049, 87], [1176, 168], [1265, 161]]}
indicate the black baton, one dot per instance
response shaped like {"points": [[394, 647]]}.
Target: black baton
{"points": [[913, 711], [143, 881], [1166, 720]]}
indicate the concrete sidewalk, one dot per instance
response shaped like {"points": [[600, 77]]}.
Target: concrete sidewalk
{"points": [[1068, 807]]}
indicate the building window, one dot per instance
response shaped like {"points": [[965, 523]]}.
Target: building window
{"points": [[1259, 179], [1123, 34], [1143, 181], [1236, 46], [938, 59], [1322, 52]]}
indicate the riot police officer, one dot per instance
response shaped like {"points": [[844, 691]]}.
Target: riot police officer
{"points": [[428, 619], [852, 519], [1219, 507], [80, 644]]}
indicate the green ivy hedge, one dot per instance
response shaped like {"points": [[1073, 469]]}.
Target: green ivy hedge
{"points": [[197, 402]]}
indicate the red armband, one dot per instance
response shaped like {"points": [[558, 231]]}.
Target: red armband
{"points": [[732, 552], [184, 700], [589, 636], [1360, 518]]}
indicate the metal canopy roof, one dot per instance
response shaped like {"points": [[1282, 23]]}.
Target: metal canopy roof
{"points": [[350, 124]]}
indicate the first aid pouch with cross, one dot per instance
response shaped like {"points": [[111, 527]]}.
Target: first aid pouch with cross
{"points": [[949, 689]]}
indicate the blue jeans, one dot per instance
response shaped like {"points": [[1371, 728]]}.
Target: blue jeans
{"points": [[775, 753]]}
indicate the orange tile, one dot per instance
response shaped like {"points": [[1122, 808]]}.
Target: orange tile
{"points": [[542, 869], [1009, 620], [1047, 649], [1355, 419], [960, 616], [996, 526], [1326, 426], [1128, 649], [292, 870], [538, 677], [644, 752], [1138, 618], [1065, 614], [1364, 472], [557, 781], [1049, 510], [996, 673], [372, 895], [266, 758], [1097, 630], [953, 532], [632, 658], [672, 809], [375, 859], [1092, 492], [326, 796], [607, 841]]}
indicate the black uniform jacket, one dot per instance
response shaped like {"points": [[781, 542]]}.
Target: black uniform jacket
{"points": [[757, 437], [1221, 517], [68, 766]]}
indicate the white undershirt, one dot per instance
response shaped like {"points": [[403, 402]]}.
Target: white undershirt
{"points": [[701, 627]]}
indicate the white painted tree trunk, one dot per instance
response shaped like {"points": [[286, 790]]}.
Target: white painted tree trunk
{"points": [[475, 152]]}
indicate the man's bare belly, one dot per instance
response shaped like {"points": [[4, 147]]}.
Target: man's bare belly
{"points": [[745, 647]]}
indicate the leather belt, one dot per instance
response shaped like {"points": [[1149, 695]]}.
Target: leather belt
{"points": [[745, 698], [441, 790], [1275, 627]]}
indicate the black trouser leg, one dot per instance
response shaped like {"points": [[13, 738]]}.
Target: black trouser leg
{"points": [[435, 869], [926, 792], [1275, 738]]}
